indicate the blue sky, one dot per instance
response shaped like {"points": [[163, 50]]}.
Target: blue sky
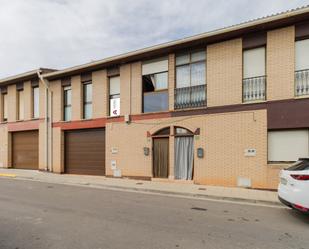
{"points": [[64, 33]]}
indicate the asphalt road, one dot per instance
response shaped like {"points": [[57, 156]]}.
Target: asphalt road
{"points": [[37, 215]]}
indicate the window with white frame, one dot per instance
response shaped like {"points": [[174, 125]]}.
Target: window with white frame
{"points": [[302, 55], [4, 107], [67, 103], [20, 111], [302, 67], [87, 100], [114, 96], [254, 74], [190, 88], [155, 85], [35, 102], [288, 145], [191, 69]]}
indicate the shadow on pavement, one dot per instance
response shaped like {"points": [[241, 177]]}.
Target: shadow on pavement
{"points": [[302, 217]]}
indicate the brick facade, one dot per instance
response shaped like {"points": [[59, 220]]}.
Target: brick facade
{"points": [[223, 135], [280, 63]]}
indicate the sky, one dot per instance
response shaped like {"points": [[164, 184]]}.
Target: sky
{"points": [[65, 33]]}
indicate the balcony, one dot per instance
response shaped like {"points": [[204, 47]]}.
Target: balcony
{"points": [[254, 89], [302, 82], [190, 97]]}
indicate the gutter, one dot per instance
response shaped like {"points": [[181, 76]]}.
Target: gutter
{"points": [[48, 122]]}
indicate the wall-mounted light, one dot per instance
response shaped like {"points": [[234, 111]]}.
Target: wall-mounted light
{"points": [[200, 152], [146, 151]]}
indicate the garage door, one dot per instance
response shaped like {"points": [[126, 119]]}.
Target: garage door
{"points": [[25, 150], [85, 152]]}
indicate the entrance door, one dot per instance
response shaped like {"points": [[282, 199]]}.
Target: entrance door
{"points": [[184, 158], [160, 157]]}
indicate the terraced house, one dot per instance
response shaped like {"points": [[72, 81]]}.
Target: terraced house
{"points": [[227, 107]]}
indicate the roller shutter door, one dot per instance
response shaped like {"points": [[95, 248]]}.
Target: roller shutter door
{"points": [[85, 152], [25, 150]]}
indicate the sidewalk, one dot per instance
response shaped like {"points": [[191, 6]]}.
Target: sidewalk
{"points": [[179, 189]]}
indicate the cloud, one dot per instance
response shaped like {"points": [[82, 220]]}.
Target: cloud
{"points": [[60, 33]]}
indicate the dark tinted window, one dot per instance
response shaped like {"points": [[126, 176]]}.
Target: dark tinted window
{"points": [[156, 101], [300, 165]]}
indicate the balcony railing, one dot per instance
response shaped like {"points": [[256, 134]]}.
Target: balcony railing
{"points": [[254, 89], [302, 82], [190, 97]]}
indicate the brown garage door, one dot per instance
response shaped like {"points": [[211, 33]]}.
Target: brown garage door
{"points": [[85, 152], [25, 150]]}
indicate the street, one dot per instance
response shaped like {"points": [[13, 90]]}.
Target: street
{"points": [[35, 215]]}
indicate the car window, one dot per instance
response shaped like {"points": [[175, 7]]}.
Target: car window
{"points": [[299, 165]]}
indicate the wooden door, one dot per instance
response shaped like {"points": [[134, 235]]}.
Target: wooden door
{"points": [[160, 157]]}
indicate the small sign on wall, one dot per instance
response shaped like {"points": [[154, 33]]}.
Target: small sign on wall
{"points": [[250, 152], [113, 165], [114, 150], [115, 107]]}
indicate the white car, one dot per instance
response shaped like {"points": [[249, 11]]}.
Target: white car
{"points": [[293, 189]]}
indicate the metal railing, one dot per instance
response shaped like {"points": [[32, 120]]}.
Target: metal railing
{"points": [[254, 89], [190, 97], [302, 82]]}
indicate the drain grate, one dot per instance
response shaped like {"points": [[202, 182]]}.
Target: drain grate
{"points": [[199, 209], [202, 189]]}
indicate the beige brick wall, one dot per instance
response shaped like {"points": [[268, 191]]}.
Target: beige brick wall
{"points": [[42, 101], [280, 63], [224, 137], [27, 100], [125, 89], [77, 101], [100, 94], [224, 73], [136, 88], [58, 151], [57, 111], [42, 146], [1, 107], [4, 147], [171, 80], [12, 103]]}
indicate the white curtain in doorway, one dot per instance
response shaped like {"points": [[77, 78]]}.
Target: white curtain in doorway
{"points": [[184, 158]]}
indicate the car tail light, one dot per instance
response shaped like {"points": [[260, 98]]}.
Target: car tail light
{"points": [[301, 177], [301, 208]]}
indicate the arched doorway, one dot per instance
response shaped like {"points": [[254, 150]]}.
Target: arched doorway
{"points": [[184, 154], [161, 153]]}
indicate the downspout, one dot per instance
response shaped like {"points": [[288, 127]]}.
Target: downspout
{"points": [[48, 128]]}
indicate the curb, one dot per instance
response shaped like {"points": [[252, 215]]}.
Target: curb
{"points": [[162, 192], [202, 196]]}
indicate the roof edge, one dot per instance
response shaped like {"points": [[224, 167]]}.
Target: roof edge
{"points": [[25, 75], [247, 24]]}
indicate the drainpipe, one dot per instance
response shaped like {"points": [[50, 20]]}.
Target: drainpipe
{"points": [[48, 123]]}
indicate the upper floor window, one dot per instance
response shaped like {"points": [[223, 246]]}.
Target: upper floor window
{"points": [[4, 107], [20, 98], [67, 103], [155, 85], [190, 80], [114, 96], [302, 67], [87, 100], [35, 102], [254, 74]]}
